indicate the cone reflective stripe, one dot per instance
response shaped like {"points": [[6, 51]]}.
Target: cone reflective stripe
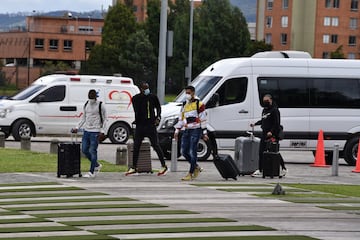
{"points": [[357, 166], [320, 152]]}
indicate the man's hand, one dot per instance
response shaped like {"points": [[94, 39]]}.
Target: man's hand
{"points": [[74, 130], [205, 137], [252, 125], [101, 137], [269, 134], [176, 136]]}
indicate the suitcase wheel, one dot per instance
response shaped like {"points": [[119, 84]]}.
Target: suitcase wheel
{"points": [[235, 178], [58, 175], [80, 175]]}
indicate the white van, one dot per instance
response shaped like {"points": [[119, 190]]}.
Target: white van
{"points": [[312, 95], [54, 104]]}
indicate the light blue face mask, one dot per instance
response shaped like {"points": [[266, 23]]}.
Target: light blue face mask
{"points": [[147, 91]]}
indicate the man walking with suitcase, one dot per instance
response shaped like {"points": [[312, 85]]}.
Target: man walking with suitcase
{"points": [[145, 104], [94, 123], [193, 119], [270, 125]]}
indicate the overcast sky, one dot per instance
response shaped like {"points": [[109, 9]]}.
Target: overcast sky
{"points": [[14, 6]]}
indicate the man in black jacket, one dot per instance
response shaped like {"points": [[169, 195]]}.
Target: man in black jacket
{"points": [[146, 120], [270, 125]]}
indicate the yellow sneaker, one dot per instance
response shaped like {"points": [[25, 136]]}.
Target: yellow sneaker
{"points": [[197, 171], [188, 177], [130, 171]]}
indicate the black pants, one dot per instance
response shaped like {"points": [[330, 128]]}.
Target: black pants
{"points": [[150, 132], [262, 148]]}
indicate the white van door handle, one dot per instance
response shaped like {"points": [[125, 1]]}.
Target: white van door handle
{"points": [[243, 111]]}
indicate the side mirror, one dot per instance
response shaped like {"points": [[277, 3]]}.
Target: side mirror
{"points": [[213, 101]]}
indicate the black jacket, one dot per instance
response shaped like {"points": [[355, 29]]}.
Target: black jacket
{"points": [[270, 120], [144, 108]]}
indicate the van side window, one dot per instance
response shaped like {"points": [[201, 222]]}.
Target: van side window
{"points": [[336, 93], [311, 92], [287, 92], [54, 94], [233, 91]]}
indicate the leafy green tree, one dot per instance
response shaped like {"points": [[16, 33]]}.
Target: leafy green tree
{"points": [[50, 67], [119, 24], [258, 46], [138, 59], [220, 31], [338, 54]]}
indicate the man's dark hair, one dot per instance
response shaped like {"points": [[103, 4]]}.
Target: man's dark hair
{"points": [[142, 83], [191, 88]]}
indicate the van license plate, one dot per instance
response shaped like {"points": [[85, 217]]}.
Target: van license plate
{"points": [[298, 144]]}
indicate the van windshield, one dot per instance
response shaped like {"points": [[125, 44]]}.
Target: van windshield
{"points": [[203, 85], [27, 92]]}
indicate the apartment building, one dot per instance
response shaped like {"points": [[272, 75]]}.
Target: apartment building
{"points": [[68, 39], [316, 26]]}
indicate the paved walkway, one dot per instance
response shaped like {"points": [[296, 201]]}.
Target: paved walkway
{"points": [[210, 200]]}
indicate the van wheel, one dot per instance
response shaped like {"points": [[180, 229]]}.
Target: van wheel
{"points": [[350, 151], [22, 128], [119, 133], [204, 150], [328, 157]]}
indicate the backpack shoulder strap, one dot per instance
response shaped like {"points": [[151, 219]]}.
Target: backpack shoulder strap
{"points": [[100, 114], [86, 103]]}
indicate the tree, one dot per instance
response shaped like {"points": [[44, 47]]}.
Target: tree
{"points": [[220, 31], [119, 24], [338, 54], [138, 59], [258, 46]]}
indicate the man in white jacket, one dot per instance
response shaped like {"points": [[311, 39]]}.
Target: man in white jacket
{"points": [[94, 123]]}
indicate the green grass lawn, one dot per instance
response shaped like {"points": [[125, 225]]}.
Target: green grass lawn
{"points": [[15, 160]]}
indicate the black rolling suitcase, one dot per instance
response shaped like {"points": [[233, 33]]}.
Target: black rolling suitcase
{"points": [[69, 159], [226, 166], [271, 160]]}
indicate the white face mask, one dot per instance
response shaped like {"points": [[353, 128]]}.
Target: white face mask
{"points": [[147, 91], [188, 97]]}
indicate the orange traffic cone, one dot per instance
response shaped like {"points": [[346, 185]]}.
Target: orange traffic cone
{"points": [[320, 152], [357, 167]]}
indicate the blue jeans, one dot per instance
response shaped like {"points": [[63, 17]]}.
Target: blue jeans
{"points": [[89, 148], [189, 143]]}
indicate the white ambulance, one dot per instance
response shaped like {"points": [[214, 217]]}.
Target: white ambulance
{"points": [[312, 95], [54, 104]]}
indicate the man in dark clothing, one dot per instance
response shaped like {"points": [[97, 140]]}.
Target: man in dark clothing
{"points": [[145, 104], [270, 125]]}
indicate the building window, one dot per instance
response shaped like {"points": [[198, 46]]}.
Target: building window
{"points": [[268, 22], [68, 45], [351, 55], [85, 29], [285, 4], [270, 4], [325, 55], [268, 38], [354, 5], [39, 43], [328, 3], [334, 38], [335, 21], [326, 38], [327, 21], [353, 23], [352, 40], [284, 21], [283, 38], [336, 4], [53, 44]]}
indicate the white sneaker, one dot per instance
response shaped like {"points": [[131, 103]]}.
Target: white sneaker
{"points": [[257, 173], [283, 172], [89, 175], [98, 168]]}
